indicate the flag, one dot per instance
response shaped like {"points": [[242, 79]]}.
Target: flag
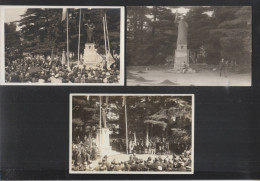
{"points": [[135, 138], [88, 98], [147, 137], [64, 13], [63, 58], [123, 103], [176, 16], [106, 100], [101, 100]]}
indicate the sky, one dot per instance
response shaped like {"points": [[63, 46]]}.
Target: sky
{"points": [[181, 10], [13, 14]]}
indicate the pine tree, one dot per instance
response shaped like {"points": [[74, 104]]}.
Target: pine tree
{"points": [[234, 32], [13, 44]]}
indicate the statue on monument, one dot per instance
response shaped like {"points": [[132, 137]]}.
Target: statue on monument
{"points": [[182, 32], [181, 59], [90, 28], [104, 115]]}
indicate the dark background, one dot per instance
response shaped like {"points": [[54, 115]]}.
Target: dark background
{"points": [[34, 120]]}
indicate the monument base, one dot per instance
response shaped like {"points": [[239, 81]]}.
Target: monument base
{"points": [[91, 58], [103, 143], [181, 59]]}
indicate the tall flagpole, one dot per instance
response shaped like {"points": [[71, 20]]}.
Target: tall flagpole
{"points": [[108, 45], [68, 57], [100, 124], [105, 39], [79, 36], [126, 134]]}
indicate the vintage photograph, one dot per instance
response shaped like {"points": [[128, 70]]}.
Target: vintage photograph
{"points": [[131, 134], [63, 45], [189, 45]]}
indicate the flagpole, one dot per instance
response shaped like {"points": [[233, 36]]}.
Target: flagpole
{"points": [[79, 36], [126, 134], [100, 124], [108, 45], [105, 40], [68, 39]]}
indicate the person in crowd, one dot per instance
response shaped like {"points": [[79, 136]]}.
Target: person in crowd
{"points": [[40, 70], [223, 67], [180, 162]]}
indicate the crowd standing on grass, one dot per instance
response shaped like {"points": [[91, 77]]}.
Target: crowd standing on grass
{"points": [[40, 70]]}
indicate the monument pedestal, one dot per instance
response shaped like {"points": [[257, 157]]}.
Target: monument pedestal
{"points": [[181, 57], [91, 58], [103, 142]]}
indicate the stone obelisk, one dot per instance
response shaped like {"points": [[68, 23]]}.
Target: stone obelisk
{"points": [[181, 53]]}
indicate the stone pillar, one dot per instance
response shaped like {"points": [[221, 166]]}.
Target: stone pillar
{"points": [[103, 142], [91, 57], [181, 57]]}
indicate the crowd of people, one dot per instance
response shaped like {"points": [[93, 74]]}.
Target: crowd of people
{"points": [[140, 146], [154, 145], [32, 69], [85, 152], [182, 162]]}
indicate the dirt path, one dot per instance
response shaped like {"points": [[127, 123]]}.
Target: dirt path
{"points": [[138, 76]]}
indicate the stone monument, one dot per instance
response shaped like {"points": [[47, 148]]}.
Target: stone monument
{"points": [[103, 142], [91, 58], [181, 59]]}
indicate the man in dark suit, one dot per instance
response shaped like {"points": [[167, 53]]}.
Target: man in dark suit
{"points": [[156, 164]]}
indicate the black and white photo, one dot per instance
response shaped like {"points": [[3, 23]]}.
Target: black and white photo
{"points": [[131, 134], [189, 45], [62, 45]]}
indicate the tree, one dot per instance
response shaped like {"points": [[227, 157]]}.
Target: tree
{"points": [[149, 31], [40, 30], [200, 24], [12, 43], [234, 22], [152, 34], [43, 31]]}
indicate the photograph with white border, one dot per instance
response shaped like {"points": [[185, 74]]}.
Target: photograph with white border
{"points": [[62, 45], [189, 46], [131, 134]]}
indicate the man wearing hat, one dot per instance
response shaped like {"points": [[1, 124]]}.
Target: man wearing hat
{"points": [[104, 160], [112, 165], [117, 166], [122, 165], [141, 166], [90, 166], [126, 166], [135, 157], [131, 160], [134, 166], [164, 164], [77, 167], [148, 166], [156, 164], [176, 164], [103, 167], [85, 166], [159, 168], [170, 166], [97, 168]]}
